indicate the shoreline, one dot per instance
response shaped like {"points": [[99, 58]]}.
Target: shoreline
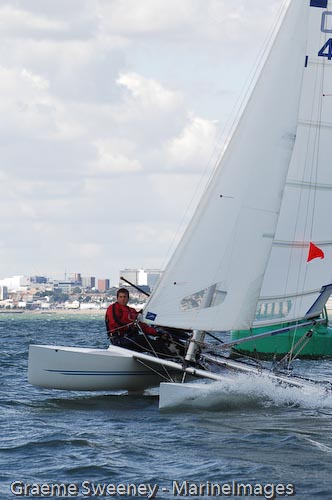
{"points": [[55, 311]]}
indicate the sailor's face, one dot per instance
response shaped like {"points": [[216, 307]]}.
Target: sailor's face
{"points": [[123, 298]]}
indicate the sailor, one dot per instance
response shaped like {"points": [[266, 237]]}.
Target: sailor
{"points": [[124, 329]]}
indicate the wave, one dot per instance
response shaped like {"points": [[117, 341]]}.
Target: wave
{"points": [[243, 391]]}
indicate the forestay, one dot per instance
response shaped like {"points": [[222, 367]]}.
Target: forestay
{"points": [[214, 279]]}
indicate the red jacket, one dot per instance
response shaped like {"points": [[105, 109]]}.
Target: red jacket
{"points": [[120, 318]]}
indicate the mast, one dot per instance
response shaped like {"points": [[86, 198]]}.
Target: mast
{"points": [[199, 335]]}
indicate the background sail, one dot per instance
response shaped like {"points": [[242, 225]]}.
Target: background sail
{"points": [[214, 279], [294, 276]]}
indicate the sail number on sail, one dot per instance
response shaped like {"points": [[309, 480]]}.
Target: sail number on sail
{"points": [[326, 50], [326, 27]]}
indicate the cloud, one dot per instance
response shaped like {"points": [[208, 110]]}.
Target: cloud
{"points": [[15, 22], [110, 112], [150, 16], [149, 93], [162, 131], [194, 145], [111, 161], [189, 21]]}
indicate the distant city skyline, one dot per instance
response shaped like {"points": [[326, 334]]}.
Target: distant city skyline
{"points": [[140, 277], [111, 122]]}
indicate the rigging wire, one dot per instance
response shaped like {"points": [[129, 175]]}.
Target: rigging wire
{"points": [[153, 349]]}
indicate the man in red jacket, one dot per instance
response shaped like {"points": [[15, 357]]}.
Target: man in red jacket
{"points": [[122, 327]]}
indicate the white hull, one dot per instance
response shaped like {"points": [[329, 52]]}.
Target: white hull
{"points": [[189, 395], [85, 369], [241, 390], [118, 369]]}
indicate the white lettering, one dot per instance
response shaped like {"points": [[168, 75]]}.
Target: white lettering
{"points": [[290, 490], [142, 489], [269, 491], [21, 489], [17, 488], [121, 489], [153, 490], [86, 491], [98, 490], [180, 489], [111, 490]]}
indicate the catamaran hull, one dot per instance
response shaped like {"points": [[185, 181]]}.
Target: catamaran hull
{"points": [[84, 369], [116, 369], [238, 390], [318, 346], [199, 395]]}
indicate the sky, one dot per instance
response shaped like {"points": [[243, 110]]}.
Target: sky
{"points": [[113, 114]]}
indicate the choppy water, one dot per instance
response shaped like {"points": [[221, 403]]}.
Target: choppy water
{"points": [[54, 437]]}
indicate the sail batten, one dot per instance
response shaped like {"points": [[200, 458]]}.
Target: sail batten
{"points": [[315, 61], [283, 297], [300, 244], [317, 124], [309, 185], [226, 245]]}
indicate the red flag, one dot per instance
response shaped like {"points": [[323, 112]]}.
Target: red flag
{"points": [[315, 253]]}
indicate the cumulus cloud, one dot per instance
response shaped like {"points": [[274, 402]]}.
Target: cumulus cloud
{"points": [[15, 22], [109, 116], [150, 94], [111, 161], [194, 145]]}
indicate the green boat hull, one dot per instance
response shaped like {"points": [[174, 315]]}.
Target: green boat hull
{"points": [[319, 344]]}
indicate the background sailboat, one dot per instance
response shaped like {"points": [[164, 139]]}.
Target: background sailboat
{"points": [[301, 258]]}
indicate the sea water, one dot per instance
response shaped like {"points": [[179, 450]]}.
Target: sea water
{"points": [[57, 444]]}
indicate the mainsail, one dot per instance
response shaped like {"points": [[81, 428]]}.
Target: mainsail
{"points": [[214, 278], [301, 257]]}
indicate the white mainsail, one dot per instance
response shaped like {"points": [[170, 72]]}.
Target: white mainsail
{"points": [[291, 283], [214, 279]]}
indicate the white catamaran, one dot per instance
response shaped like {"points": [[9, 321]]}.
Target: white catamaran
{"points": [[214, 280]]}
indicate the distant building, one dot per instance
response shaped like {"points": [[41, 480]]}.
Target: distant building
{"points": [[76, 278], [72, 304], [15, 283], [64, 286], [38, 279], [129, 274], [89, 305], [103, 285], [88, 282], [3, 293], [153, 276], [144, 278]]}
